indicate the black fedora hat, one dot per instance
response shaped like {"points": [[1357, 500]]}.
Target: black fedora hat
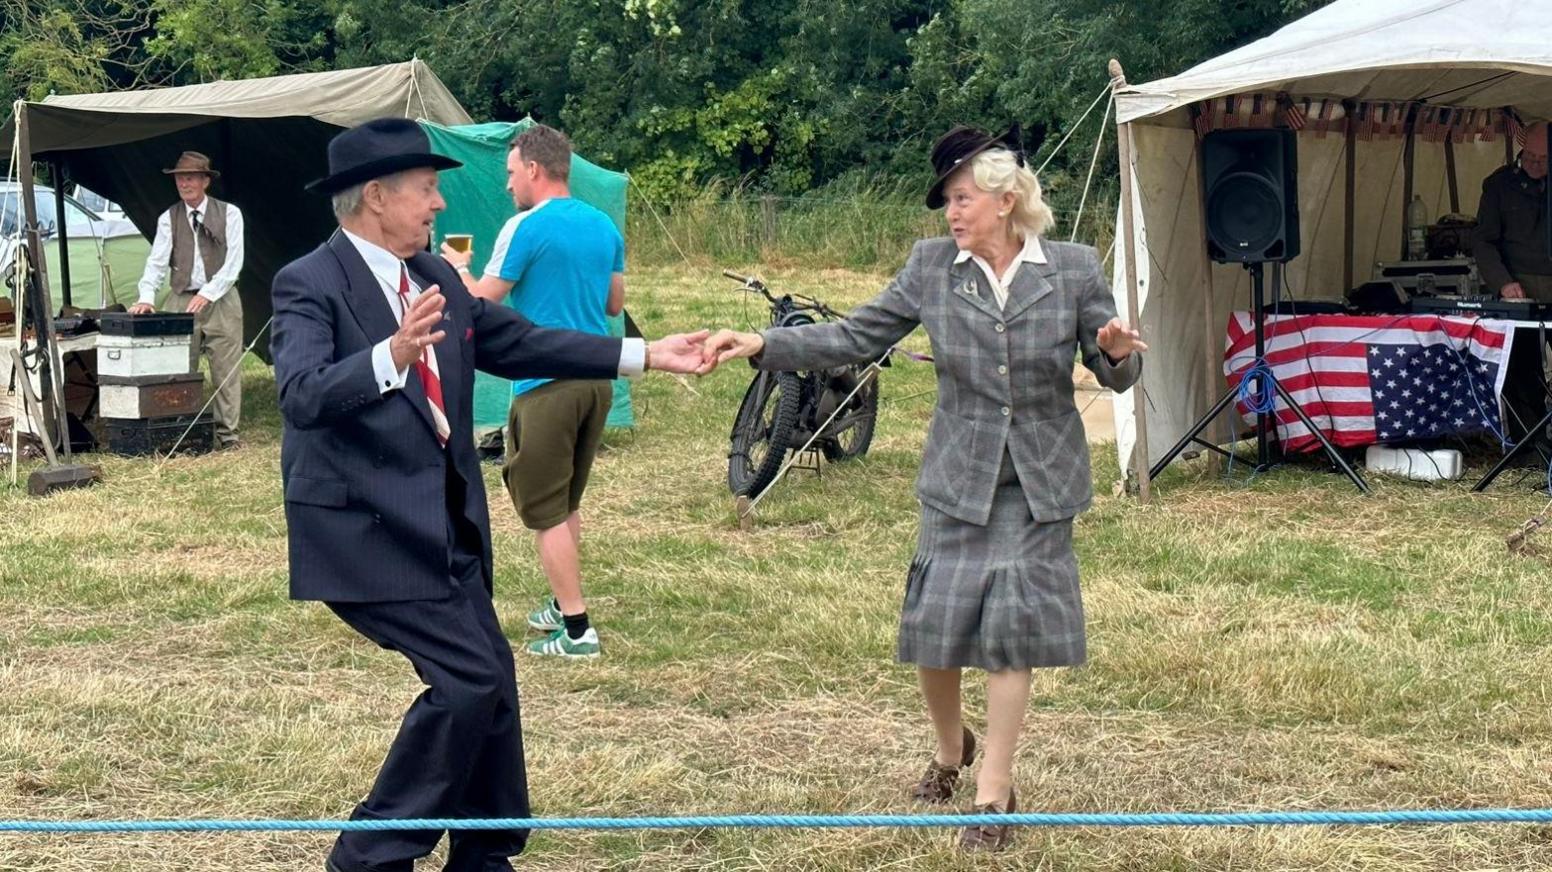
{"points": [[961, 144], [378, 148]]}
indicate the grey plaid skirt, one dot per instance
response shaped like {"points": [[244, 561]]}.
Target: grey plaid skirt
{"points": [[1002, 596]]}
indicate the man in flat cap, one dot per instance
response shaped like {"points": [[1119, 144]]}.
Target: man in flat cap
{"points": [[375, 346], [199, 250]]}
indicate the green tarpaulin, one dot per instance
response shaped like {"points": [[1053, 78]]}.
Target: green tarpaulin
{"points": [[478, 203]]}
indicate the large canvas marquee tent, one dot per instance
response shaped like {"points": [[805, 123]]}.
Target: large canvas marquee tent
{"points": [[1387, 95]]}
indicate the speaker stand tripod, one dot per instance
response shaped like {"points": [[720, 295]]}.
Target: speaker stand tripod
{"points": [[1526, 443], [1263, 419]]}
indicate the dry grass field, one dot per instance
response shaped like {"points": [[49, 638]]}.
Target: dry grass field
{"points": [[1276, 644]]}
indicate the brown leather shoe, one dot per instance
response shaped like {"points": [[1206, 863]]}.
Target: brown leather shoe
{"points": [[989, 838], [937, 784]]}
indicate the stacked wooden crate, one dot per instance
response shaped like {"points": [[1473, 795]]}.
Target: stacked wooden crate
{"points": [[149, 387]]}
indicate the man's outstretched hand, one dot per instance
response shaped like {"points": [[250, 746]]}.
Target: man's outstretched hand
{"points": [[679, 353]]}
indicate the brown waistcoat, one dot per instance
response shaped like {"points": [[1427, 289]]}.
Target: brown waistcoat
{"points": [[212, 242]]}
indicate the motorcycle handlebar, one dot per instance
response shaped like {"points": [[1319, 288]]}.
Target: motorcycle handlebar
{"points": [[736, 277]]}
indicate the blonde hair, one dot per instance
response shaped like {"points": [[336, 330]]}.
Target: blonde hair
{"points": [[997, 171]]}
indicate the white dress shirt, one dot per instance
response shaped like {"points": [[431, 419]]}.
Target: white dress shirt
{"points": [[385, 266], [159, 264], [1030, 253]]}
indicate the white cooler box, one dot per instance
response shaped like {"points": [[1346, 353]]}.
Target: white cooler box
{"points": [[126, 356]]}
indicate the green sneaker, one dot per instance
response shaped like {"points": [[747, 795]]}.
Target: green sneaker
{"points": [[558, 644], [546, 619]]}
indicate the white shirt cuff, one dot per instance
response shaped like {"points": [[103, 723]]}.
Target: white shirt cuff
{"points": [[633, 357], [388, 378]]}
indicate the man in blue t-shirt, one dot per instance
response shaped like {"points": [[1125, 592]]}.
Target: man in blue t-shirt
{"points": [[561, 263]]}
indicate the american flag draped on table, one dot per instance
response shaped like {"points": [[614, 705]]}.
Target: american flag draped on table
{"points": [[1364, 379]]}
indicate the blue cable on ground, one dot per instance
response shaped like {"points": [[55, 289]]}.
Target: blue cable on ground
{"points": [[1048, 819]]}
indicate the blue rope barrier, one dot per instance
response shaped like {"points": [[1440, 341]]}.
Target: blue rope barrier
{"points": [[1044, 819]]}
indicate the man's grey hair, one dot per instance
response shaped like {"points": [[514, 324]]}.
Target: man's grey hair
{"points": [[348, 201]]}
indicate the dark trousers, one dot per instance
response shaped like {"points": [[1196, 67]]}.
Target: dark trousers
{"points": [[1524, 392], [459, 751]]}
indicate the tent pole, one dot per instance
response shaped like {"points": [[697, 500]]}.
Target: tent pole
{"points": [[29, 208], [53, 384], [1133, 313], [1508, 137], [61, 229], [1449, 171], [1408, 161], [1348, 205], [1211, 361]]}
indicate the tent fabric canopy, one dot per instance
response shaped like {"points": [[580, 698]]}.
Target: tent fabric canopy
{"points": [[268, 137], [1479, 54], [1476, 53]]}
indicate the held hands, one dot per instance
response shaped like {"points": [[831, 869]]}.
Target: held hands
{"points": [[680, 353], [1512, 291], [416, 330], [727, 345], [1118, 341]]}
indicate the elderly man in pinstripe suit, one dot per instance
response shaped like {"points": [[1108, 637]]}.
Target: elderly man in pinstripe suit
{"points": [[994, 583], [375, 345]]}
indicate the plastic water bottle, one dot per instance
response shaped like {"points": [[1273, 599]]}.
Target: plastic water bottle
{"points": [[1417, 229]]}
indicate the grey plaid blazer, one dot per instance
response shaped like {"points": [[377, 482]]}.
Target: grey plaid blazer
{"points": [[1004, 376]]}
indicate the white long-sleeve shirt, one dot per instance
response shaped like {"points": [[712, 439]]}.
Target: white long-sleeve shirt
{"points": [[159, 264]]}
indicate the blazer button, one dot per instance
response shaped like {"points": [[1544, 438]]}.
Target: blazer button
{"points": [[1002, 370], [1006, 411], [1000, 328]]}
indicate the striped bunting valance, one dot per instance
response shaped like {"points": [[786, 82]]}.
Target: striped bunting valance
{"points": [[1376, 119]]}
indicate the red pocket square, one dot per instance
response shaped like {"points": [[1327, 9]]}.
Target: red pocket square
{"points": [[468, 334]]}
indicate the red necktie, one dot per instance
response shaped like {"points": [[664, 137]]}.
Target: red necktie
{"points": [[428, 376]]}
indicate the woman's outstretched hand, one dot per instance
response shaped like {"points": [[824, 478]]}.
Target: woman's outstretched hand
{"points": [[724, 345]]}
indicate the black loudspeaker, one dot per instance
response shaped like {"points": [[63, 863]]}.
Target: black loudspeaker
{"points": [[1251, 183]]}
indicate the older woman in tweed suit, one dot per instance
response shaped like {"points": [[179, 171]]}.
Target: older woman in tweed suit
{"points": [[994, 583]]}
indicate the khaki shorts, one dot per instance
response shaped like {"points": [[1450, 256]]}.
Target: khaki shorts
{"points": [[553, 433]]}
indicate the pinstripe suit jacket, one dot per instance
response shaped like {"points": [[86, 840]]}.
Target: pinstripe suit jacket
{"points": [[366, 482], [1004, 376]]}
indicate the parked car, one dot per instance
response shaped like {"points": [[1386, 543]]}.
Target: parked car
{"points": [[109, 211], [107, 254]]}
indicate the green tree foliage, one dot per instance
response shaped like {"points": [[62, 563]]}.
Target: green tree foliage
{"points": [[206, 40], [70, 46], [777, 96]]}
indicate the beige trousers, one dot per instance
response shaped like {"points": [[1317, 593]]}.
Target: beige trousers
{"points": [[218, 335]]}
